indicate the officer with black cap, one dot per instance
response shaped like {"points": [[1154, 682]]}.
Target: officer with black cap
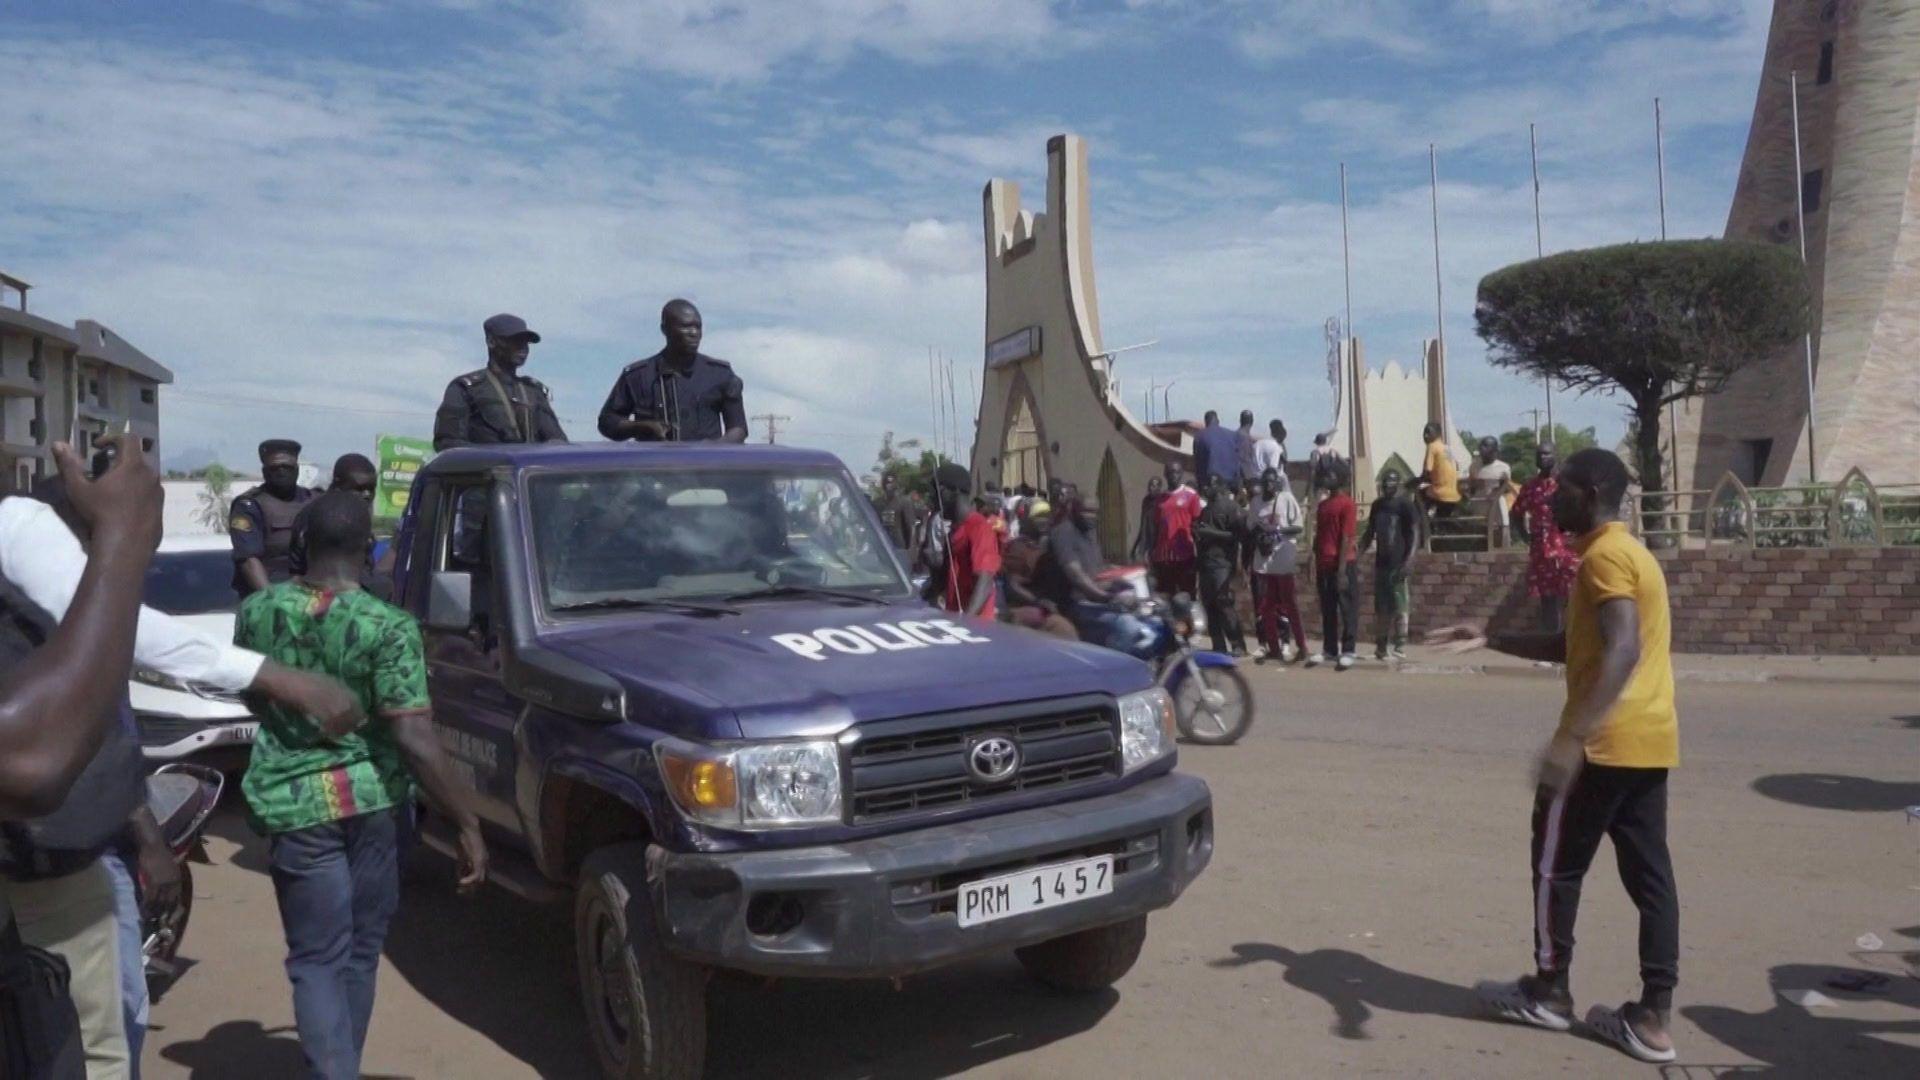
{"points": [[678, 394], [497, 404], [260, 521]]}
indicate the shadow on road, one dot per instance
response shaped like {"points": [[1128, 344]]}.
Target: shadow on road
{"points": [[505, 969], [498, 965], [1355, 985], [229, 823], [1824, 791], [240, 1050], [1797, 1041]]}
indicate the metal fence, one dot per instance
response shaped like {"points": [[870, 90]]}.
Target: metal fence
{"points": [[1855, 512]]}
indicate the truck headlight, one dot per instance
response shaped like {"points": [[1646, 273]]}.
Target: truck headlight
{"points": [[1146, 728], [754, 785]]}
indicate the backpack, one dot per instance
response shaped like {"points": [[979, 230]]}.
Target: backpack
{"points": [[96, 810]]}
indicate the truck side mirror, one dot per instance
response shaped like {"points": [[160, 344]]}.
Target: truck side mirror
{"points": [[450, 601]]}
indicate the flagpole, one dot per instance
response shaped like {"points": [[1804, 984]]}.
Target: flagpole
{"points": [[1800, 211], [1540, 252], [1353, 392], [953, 411], [1439, 301], [1660, 177], [933, 401]]}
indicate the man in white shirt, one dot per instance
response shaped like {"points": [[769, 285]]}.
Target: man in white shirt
{"points": [[1493, 479], [43, 558], [1270, 453], [1278, 520]]}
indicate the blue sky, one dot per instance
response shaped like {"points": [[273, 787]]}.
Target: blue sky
{"points": [[306, 207]]}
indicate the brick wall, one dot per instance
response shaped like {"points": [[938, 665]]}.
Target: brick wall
{"points": [[1839, 601]]}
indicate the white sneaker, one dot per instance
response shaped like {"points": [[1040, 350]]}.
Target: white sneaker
{"points": [[1346, 661], [1398, 653], [1316, 660], [1288, 654]]}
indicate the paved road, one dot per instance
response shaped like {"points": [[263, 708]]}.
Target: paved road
{"points": [[1372, 866]]}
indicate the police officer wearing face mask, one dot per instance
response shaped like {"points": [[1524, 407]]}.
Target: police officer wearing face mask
{"points": [[260, 522], [497, 404]]}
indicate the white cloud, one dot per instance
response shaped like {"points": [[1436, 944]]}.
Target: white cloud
{"points": [[739, 39], [322, 232], [1276, 29]]}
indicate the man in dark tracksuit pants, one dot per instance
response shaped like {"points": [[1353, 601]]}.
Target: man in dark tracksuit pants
{"points": [[1218, 532], [1605, 772]]}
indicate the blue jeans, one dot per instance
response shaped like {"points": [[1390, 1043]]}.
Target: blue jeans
{"points": [[1109, 627], [133, 961], [338, 885]]}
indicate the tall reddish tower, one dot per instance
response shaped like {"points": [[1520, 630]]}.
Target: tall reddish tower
{"points": [[1858, 63]]}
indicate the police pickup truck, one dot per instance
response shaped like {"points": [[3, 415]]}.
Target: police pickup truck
{"points": [[696, 693]]}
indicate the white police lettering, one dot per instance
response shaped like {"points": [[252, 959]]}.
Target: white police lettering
{"points": [[880, 637]]}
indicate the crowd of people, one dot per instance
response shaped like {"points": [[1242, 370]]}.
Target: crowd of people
{"points": [[1237, 519], [338, 677]]}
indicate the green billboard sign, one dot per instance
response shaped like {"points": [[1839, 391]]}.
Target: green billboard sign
{"points": [[399, 457]]}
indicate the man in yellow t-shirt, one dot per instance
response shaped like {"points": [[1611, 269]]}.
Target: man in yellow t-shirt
{"points": [[1439, 477], [1605, 771]]}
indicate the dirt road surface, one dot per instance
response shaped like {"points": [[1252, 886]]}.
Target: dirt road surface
{"points": [[1372, 865]]}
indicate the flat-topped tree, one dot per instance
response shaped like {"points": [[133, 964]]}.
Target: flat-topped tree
{"points": [[1661, 321]]}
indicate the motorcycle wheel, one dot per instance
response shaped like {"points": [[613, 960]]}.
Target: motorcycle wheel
{"points": [[1214, 706]]}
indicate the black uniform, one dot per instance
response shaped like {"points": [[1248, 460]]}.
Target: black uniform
{"points": [[260, 525], [1219, 530], [481, 409], [698, 406]]}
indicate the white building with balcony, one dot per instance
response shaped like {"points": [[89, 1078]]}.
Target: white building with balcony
{"points": [[67, 383]]}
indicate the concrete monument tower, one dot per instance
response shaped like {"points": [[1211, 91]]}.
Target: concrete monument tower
{"points": [[1048, 407], [1858, 64]]}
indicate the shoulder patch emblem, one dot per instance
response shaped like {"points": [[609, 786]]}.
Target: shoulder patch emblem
{"points": [[240, 523]]}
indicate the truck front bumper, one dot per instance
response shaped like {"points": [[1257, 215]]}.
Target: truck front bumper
{"points": [[886, 906]]}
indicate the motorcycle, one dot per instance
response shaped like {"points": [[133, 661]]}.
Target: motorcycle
{"points": [[182, 798], [1212, 701]]}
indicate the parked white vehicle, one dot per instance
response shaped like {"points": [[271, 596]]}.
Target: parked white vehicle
{"points": [[191, 579]]}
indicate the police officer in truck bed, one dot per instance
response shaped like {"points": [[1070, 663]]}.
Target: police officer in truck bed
{"points": [[497, 404], [678, 394], [260, 520]]}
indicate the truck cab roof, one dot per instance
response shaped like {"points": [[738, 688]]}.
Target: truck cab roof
{"points": [[470, 459]]}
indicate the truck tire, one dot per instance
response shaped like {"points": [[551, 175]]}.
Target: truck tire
{"points": [[646, 1010], [1089, 960]]}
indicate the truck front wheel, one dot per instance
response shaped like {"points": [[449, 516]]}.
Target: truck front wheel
{"points": [[646, 1010], [1089, 960]]}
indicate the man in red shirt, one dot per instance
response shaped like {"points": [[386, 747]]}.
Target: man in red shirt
{"points": [[973, 547], [1173, 548], [1335, 571]]}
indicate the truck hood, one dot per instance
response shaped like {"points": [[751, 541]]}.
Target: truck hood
{"points": [[789, 668]]}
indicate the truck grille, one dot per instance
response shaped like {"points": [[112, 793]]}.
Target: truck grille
{"points": [[903, 767]]}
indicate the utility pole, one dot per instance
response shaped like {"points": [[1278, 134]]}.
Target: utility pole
{"points": [[1541, 436], [773, 425]]}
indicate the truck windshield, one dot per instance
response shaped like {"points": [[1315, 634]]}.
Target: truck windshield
{"points": [[602, 539]]}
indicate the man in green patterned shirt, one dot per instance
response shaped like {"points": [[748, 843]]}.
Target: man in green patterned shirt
{"points": [[334, 808]]}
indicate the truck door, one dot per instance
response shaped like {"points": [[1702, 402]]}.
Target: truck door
{"points": [[473, 713]]}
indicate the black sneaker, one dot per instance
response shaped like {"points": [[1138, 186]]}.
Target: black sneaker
{"points": [[1529, 1000]]}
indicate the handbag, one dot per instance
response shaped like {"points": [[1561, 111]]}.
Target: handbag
{"points": [[39, 1027]]}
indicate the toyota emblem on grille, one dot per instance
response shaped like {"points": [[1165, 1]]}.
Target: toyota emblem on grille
{"points": [[994, 759]]}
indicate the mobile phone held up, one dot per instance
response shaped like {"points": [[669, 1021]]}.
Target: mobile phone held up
{"points": [[108, 451]]}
